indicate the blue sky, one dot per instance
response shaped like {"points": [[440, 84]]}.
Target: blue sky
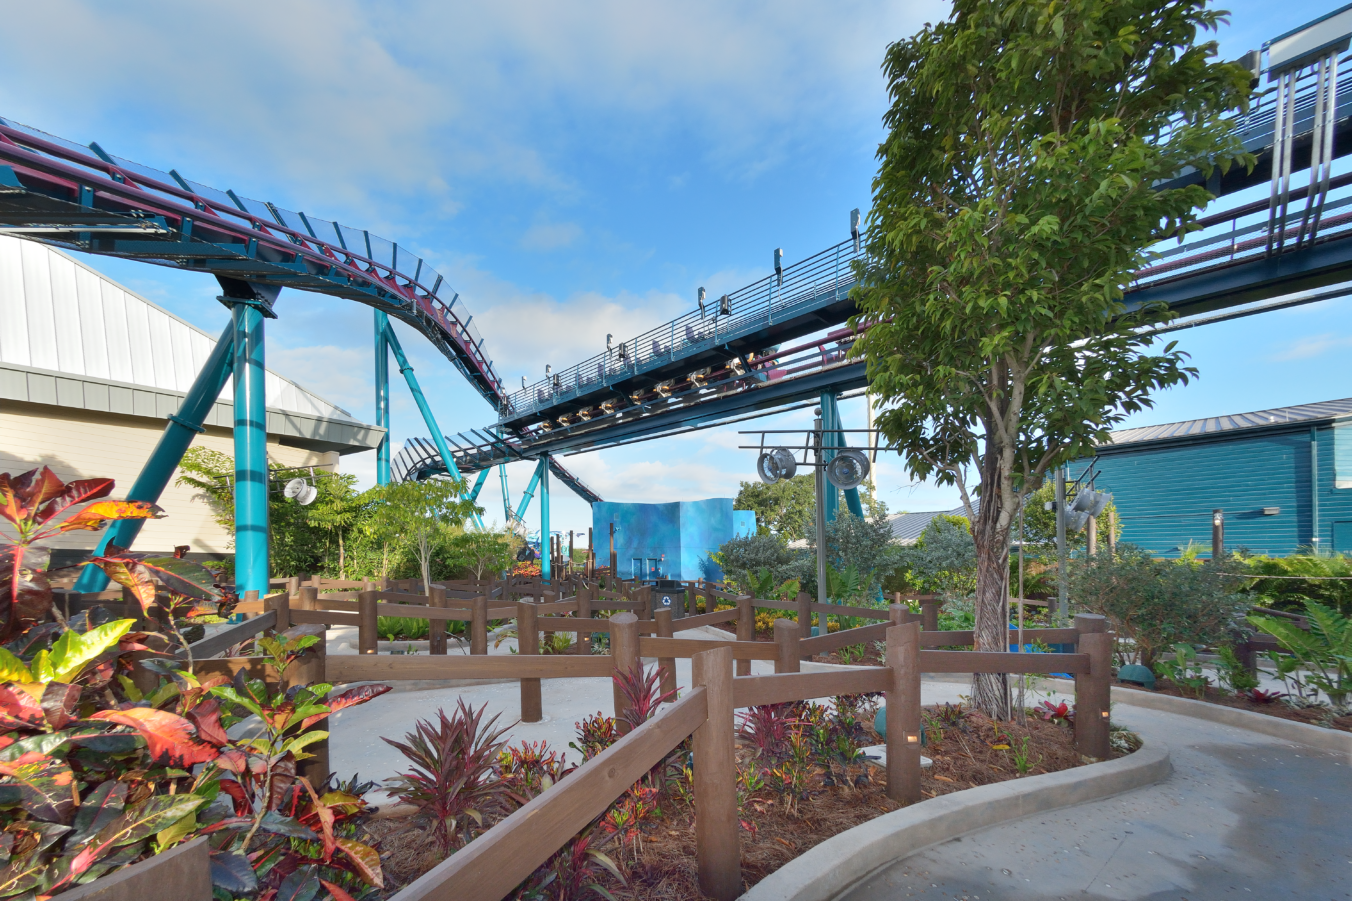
{"points": [[572, 169]]}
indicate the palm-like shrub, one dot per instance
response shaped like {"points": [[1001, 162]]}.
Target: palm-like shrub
{"points": [[1324, 652], [454, 778]]}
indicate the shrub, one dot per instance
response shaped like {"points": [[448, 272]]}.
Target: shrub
{"points": [[453, 779], [642, 690], [594, 735], [1332, 588], [1154, 604], [743, 558], [1324, 652]]}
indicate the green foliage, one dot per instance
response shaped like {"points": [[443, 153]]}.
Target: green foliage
{"points": [[1183, 670], [1233, 674], [1154, 604], [788, 508], [480, 552], [862, 545], [943, 559], [423, 516], [1015, 198], [741, 559], [407, 628], [1332, 587], [1324, 652]]}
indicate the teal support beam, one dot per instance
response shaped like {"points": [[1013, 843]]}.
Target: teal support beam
{"points": [[831, 420], [506, 496], [251, 450], [392, 342], [382, 329], [544, 518], [478, 484], [830, 441], [164, 459], [530, 492]]}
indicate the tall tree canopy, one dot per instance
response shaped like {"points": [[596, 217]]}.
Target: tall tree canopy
{"points": [[1013, 203]]}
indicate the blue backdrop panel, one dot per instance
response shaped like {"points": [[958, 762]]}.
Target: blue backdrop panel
{"points": [[670, 541]]}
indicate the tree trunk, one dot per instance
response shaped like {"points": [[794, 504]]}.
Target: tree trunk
{"points": [[990, 691], [342, 557]]}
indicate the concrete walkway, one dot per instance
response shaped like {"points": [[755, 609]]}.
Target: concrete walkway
{"points": [[1243, 816]]}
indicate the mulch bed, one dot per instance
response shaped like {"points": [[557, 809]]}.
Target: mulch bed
{"points": [[972, 750], [1314, 716]]}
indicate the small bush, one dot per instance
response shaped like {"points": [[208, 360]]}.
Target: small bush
{"points": [[1155, 604]]}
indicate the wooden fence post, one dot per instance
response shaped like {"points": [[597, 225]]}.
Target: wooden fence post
{"points": [[584, 611], [436, 628], [667, 665], [786, 646], [528, 642], [804, 615], [903, 713], [624, 650], [746, 630], [896, 613], [478, 626], [310, 669], [1093, 689], [282, 604], [718, 846], [293, 586], [368, 624], [307, 598], [645, 610], [929, 616]]}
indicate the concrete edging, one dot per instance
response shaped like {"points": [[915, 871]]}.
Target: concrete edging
{"points": [[1273, 726], [845, 859]]}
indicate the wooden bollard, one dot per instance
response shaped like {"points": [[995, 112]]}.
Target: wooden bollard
{"points": [[528, 642], [787, 659], [804, 614], [368, 624], [307, 597], [718, 846], [293, 586], [436, 628], [478, 626], [310, 669], [645, 597], [1093, 689], [666, 664], [929, 616], [584, 611], [746, 630], [281, 603], [903, 713], [624, 650]]}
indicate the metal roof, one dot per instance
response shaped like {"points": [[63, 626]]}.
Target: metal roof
{"points": [[908, 527], [61, 316], [1193, 428]]}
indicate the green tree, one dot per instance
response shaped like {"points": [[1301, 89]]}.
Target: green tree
{"points": [[421, 516], [788, 508], [336, 511], [1013, 203], [480, 552]]}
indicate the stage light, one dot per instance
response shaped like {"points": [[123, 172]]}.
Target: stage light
{"points": [[776, 465], [848, 469]]}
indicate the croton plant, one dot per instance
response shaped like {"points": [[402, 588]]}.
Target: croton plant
{"points": [[97, 773]]}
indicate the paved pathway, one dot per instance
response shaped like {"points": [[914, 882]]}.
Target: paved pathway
{"points": [[1243, 816]]}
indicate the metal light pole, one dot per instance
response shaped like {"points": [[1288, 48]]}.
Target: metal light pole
{"points": [[1062, 558], [819, 484]]}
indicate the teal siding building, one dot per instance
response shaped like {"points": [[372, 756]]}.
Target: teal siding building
{"points": [[1283, 478]]}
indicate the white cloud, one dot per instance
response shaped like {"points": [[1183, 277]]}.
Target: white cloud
{"points": [[550, 235], [1311, 346]]}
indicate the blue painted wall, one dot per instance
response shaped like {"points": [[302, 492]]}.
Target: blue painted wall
{"points": [[670, 541], [1165, 491]]}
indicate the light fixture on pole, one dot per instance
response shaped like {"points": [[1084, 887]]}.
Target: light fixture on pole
{"points": [[779, 266], [776, 465], [848, 469], [854, 228], [702, 295]]}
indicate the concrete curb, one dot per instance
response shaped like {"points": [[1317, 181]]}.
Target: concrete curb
{"points": [[841, 861], [1276, 727]]}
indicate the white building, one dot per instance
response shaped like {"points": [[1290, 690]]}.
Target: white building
{"points": [[89, 374]]}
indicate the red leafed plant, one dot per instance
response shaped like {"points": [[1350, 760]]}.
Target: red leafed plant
{"points": [[642, 693], [1061, 712], [1262, 696], [96, 772], [454, 778], [594, 734]]}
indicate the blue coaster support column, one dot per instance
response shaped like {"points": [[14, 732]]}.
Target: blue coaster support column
{"points": [[249, 304], [382, 330], [544, 518], [506, 496], [831, 420], [522, 507], [392, 342], [164, 459]]}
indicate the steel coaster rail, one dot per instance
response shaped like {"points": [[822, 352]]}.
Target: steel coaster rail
{"points": [[128, 209]]}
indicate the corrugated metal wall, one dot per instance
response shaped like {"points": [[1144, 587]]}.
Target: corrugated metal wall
{"points": [[60, 315], [1165, 492]]}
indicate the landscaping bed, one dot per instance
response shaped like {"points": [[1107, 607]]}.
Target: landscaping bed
{"points": [[794, 793], [1269, 706]]}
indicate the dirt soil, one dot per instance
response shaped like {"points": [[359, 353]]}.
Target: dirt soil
{"points": [[967, 748], [1315, 716]]}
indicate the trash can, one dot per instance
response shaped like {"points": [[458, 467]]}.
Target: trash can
{"points": [[669, 594]]}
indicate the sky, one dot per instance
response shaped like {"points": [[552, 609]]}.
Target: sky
{"points": [[572, 170]]}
